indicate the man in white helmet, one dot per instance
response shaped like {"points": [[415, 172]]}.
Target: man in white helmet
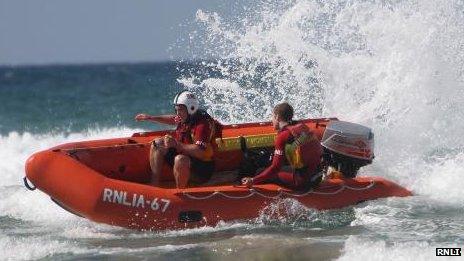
{"points": [[190, 151]]}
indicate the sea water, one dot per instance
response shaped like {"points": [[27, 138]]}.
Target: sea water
{"points": [[395, 66]]}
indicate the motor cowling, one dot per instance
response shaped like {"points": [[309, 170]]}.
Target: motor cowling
{"points": [[347, 147]]}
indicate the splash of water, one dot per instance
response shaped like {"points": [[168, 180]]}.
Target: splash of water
{"points": [[356, 248], [290, 212], [396, 66]]}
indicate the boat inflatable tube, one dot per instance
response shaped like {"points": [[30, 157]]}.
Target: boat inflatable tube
{"points": [[106, 181]]}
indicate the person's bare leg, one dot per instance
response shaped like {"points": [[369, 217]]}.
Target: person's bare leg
{"points": [[156, 163], [181, 170]]}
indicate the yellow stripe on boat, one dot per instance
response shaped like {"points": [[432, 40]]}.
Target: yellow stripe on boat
{"points": [[252, 141]]}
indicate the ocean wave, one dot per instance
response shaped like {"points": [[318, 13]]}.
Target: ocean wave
{"points": [[36, 247], [358, 248]]}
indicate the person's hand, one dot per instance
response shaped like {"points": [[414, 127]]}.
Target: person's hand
{"points": [[248, 182], [141, 117], [170, 142]]}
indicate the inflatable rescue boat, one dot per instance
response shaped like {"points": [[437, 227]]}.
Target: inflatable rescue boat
{"points": [[107, 180]]}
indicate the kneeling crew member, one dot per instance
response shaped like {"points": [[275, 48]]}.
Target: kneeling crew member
{"points": [[299, 146]]}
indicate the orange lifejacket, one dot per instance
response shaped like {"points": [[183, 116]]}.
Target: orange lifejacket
{"points": [[305, 151]]}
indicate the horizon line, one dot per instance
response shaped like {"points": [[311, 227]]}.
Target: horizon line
{"points": [[98, 63]]}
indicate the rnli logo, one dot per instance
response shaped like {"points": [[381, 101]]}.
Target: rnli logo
{"points": [[448, 251]]}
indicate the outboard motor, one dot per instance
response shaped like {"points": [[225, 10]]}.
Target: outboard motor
{"points": [[347, 147]]}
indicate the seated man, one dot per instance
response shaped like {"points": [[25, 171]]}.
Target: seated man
{"points": [[299, 146], [191, 149]]}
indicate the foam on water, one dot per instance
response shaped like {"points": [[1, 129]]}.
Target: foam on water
{"points": [[35, 248], [88, 230], [290, 212], [147, 250], [33, 206], [221, 226], [364, 249], [445, 181]]}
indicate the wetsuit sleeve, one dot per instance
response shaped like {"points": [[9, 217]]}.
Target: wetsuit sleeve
{"points": [[202, 133], [277, 160]]}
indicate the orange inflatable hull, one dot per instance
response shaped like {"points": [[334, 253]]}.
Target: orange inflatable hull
{"points": [[104, 181]]}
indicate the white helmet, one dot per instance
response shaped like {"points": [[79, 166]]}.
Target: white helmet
{"points": [[189, 100]]}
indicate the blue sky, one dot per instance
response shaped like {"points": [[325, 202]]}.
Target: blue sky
{"points": [[83, 31]]}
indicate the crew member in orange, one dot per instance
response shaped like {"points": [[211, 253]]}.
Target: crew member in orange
{"points": [[299, 146], [190, 151]]}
